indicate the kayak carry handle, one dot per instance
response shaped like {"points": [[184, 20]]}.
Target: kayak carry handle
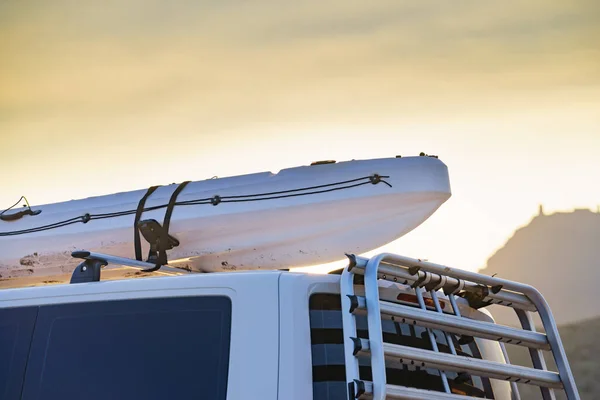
{"points": [[18, 215]]}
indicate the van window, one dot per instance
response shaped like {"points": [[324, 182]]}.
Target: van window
{"points": [[329, 372], [165, 348], [16, 329]]}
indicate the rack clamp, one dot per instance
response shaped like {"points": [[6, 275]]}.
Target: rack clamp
{"points": [[160, 241], [476, 299], [436, 284], [356, 389], [89, 269]]}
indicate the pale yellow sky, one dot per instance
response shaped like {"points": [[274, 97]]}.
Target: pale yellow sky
{"points": [[118, 95]]}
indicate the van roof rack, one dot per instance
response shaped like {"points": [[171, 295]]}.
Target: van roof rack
{"points": [[479, 290], [89, 270]]}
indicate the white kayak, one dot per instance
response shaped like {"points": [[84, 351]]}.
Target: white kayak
{"points": [[298, 217]]}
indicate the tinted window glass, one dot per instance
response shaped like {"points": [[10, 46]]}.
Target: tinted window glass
{"points": [[170, 348], [16, 329], [328, 354]]}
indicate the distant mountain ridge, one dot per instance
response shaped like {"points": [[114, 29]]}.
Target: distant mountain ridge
{"points": [[559, 254]]}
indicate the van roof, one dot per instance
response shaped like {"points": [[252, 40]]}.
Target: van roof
{"points": [[124, 280]]}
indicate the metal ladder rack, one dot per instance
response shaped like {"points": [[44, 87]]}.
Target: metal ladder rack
{"points": [[480, 290]]}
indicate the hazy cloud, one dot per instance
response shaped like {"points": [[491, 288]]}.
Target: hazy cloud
{"points": [[205, 61]]}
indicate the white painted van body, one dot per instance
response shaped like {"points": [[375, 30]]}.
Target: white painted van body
{"points": [[270, 354]]}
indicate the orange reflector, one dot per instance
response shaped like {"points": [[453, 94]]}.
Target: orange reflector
{"points": [[411, 298]]}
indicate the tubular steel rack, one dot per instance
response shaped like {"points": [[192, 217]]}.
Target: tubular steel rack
{"points": [[480, 290]]}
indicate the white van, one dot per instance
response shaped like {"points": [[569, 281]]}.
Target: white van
{"points": [[270, 335]]}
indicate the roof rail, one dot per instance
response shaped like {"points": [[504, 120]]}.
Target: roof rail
{"points": [[479, 290]]}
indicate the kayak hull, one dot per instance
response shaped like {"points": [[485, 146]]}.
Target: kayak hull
{"points": [[294, 227]]}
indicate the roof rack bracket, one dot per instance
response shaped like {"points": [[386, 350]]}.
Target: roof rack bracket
{"points": [[159, 240], [476, 301], [89, 269]]}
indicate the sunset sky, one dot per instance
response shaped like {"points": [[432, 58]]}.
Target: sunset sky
{"points": [[98, 97]]}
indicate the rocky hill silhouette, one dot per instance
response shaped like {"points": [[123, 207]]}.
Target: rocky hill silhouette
{"points": [[559, 254]]}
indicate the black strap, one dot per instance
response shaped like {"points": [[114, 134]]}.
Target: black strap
{"points": [[138, 215], [164, 233]]}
